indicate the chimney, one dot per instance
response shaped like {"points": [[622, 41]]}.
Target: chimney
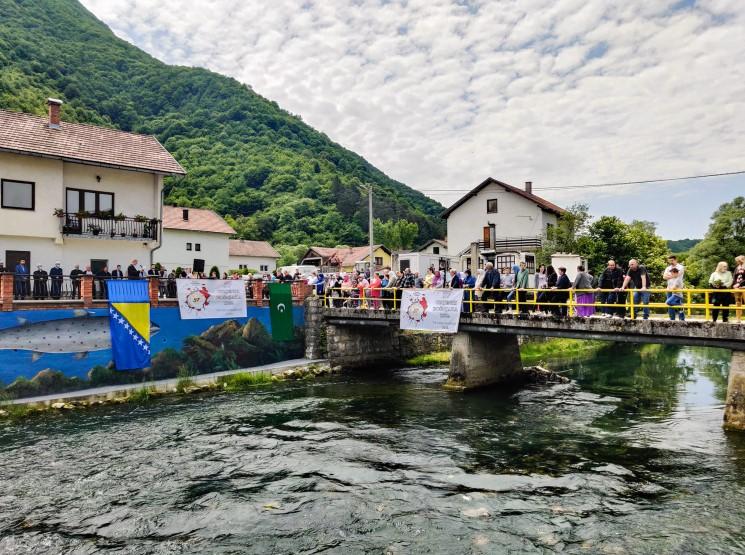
{"points": [[529, 187], [54, 109], [185, 213]]}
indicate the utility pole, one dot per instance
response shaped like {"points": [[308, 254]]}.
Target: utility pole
{"points": [[370, 225]]}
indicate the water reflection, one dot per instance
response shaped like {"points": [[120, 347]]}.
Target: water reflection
{"points": [[628, 458]]}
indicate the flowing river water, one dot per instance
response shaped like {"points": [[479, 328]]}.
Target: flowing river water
{"points": [[629, 457]]}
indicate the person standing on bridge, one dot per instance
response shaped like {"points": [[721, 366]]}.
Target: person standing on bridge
{"points": [[672, 262], [562, 283], [721, 278], [611, 280], [585, 298], [675, 295], [738, 282], [490, 285], [638, 279], [522, 282]]}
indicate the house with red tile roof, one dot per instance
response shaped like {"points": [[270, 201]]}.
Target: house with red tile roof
{"points": [[259, 256], [507, 224], [346, 259], [194, 238], [78, 194]]}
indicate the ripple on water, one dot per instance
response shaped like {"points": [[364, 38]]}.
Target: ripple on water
{"points": [[628, 458]]}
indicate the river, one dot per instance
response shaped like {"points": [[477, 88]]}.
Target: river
{"points": [[629, 457]]}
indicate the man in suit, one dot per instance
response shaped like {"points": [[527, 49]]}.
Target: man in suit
{"points": [[56, 274], [117, 273], [21, 280], [102, 288], [562, 283], [75, 279], [132, 271]]}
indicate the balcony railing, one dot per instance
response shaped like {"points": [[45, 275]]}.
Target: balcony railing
{"points": [[513, 244], [109, 227]]}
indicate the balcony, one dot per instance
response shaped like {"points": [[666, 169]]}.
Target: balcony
{"points": [[106, 226], [519, 244]]}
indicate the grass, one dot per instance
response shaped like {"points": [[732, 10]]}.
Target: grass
{"points": [[430, 359], [530, 352], [558, 348], [140, 396], [242, 381], [184, 380]]}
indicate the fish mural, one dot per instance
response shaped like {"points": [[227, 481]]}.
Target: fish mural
{"points": [[83, 333]]}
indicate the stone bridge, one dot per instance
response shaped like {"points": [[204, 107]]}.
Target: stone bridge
{"points": [[485, 350]]}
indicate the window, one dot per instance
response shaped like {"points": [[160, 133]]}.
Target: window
{"points": [[504, 261], [491, 206], [403, 264], [92, 202], [18, 194], [197, 246], [378, 261], [188, 246], [264, 268], [435, 250]]}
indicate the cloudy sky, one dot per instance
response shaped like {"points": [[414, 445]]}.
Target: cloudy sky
{"points": [[440, 94]]}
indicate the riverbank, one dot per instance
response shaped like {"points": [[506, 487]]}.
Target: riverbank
{"points": [[530, 352], [229, 380]]}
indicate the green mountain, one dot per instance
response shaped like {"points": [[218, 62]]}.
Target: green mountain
{"points": [[275, 177], [682, 245]]}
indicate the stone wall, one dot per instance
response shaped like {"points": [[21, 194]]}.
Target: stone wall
{"points": [[315, 329]]}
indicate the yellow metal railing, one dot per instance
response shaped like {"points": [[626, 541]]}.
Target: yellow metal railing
{"points": [[564, 301]]}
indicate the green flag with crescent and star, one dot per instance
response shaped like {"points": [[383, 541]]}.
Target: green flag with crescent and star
{"points": [[280, 311]]}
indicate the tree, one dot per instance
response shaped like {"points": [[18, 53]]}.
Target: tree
{"points": [[565, 236], [290, 254], [396, 235], [724, 240]]}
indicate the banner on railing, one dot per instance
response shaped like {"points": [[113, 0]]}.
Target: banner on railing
{"points": [[199, 299], [431, 309]]}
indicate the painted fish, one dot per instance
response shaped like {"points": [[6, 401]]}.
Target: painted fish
{"points": [[79, 335]]}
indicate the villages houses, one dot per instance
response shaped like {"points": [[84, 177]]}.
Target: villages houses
{"points": [[78, 194], [499, 223], [346, 259], [92, 196]]}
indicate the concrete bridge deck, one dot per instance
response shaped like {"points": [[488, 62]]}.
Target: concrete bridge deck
{"points": [[485, 350], [692, 332]]}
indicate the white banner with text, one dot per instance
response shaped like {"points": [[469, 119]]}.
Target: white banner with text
{"points": [[199, 299], [431, 309]]}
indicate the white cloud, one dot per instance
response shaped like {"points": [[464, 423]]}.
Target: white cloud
{"points": [[440, 94]]}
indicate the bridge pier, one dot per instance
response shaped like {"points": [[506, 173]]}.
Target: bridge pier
{"points": [[734, 410], [483, 359]]}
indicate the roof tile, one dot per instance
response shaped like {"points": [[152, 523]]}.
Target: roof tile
{"points": [[200, 219], [85, 144]]}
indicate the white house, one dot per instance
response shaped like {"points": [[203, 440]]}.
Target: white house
{"points": [[433, 254], [194, 238], [252, 255], [78, 194], [506, 223]]}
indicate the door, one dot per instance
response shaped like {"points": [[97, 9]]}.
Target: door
{"points": [[12, 258], [487, 235], [97, 265]]}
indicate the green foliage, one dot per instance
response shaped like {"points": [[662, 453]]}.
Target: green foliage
{"points": [[185, 380], [396, 235], [274, 176], [724, 240], [566, 235], [290, 254], [241, 381], [140, 396], [682, 246], [535, 351], [606, 238], [45, 382]]}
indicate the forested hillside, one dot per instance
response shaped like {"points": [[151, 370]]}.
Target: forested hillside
{"points": [[274, 176]]}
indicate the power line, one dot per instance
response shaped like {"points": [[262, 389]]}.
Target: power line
{"points": [[596, 185]]}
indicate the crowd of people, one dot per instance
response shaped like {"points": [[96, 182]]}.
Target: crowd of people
{"points": [[491, 289], [510, 289]]}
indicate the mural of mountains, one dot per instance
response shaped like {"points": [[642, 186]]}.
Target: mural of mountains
{"points": [[275, 177]]}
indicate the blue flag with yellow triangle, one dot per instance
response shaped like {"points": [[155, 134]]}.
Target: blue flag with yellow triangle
{"points": [[129, 320]]}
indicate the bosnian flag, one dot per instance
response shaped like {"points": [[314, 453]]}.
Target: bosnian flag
{"points": [[129, 319]]}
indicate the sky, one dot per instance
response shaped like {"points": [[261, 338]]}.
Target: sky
{"points": [[440, 94]]}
